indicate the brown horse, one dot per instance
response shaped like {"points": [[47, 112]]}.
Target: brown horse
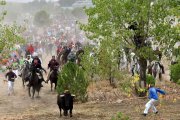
{"points": [[35, 84], [54, 77], [62, 57]]}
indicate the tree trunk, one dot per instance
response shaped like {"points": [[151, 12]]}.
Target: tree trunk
{"points": [[143, 67]]}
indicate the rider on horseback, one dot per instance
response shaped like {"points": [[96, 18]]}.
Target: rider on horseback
{"points": [[159, 54], [28, 59], [36, 67], [53, 64]]}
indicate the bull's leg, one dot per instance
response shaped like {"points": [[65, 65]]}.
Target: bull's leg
{"points": [[65, 112], [60, 111], [70, 112]]}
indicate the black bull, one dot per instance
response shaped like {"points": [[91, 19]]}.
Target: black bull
{"points": [[65, 102]]}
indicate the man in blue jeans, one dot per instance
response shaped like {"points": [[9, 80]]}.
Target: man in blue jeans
{"points": [[153, 96]]}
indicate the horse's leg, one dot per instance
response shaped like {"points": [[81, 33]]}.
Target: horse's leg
{"points": [[29, 91], [38, 95], [23, 83], [51, 86], [55, 85], [132, 71], [154, 74], [33, 91], [160, 76]]}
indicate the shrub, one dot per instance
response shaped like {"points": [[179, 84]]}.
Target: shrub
{"points": [[150, 79], [141, 92], [72, 78], [120, 116], [175, 73]]}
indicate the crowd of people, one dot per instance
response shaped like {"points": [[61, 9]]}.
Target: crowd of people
{"points": [[49, 41]]}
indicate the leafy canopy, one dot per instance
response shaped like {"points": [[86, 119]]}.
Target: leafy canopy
{"points": [[109, 22], [9, 34]]}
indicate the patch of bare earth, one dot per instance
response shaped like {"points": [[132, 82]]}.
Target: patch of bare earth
{"points": [[104, 102]]}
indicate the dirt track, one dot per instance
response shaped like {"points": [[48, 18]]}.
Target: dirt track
{"points": [[21, 107]]}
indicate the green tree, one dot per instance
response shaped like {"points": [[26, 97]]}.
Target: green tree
{"points": [[9, 35], [174, 73], [72, 78], [42, 18], [129, 23]]}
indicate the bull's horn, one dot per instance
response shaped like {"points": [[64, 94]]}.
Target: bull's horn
{"points": [[61, 95], [66, 91], [73, 95]]}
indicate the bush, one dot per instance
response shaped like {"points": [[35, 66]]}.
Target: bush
{"points": [[120, 116], [150, 79], [72, 78], [175, 73]]}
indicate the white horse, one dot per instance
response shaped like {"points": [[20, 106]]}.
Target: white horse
{"points": [[123, 61], [135, 69], [156, 70]]}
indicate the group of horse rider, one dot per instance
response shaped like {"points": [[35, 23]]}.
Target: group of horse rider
{"points": [[35, 66], [135, 68]]}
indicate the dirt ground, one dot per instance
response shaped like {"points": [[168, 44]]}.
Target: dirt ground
{"points": [[103, 105]]}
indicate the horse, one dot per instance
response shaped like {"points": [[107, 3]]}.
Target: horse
{"points": [[54, 77], [156, 70], [79, 53], [135, 69], [25, 72], [122, 61], [35, 84], [62, 57]]}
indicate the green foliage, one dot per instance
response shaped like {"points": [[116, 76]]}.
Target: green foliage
{"points": [[10, 35], [120, 116], [90, 68], [72, 78], [150, 79], [42, 18], [108, 23], [175, 73]]}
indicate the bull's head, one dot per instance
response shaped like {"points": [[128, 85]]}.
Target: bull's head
{"points": [[67, 102]]}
